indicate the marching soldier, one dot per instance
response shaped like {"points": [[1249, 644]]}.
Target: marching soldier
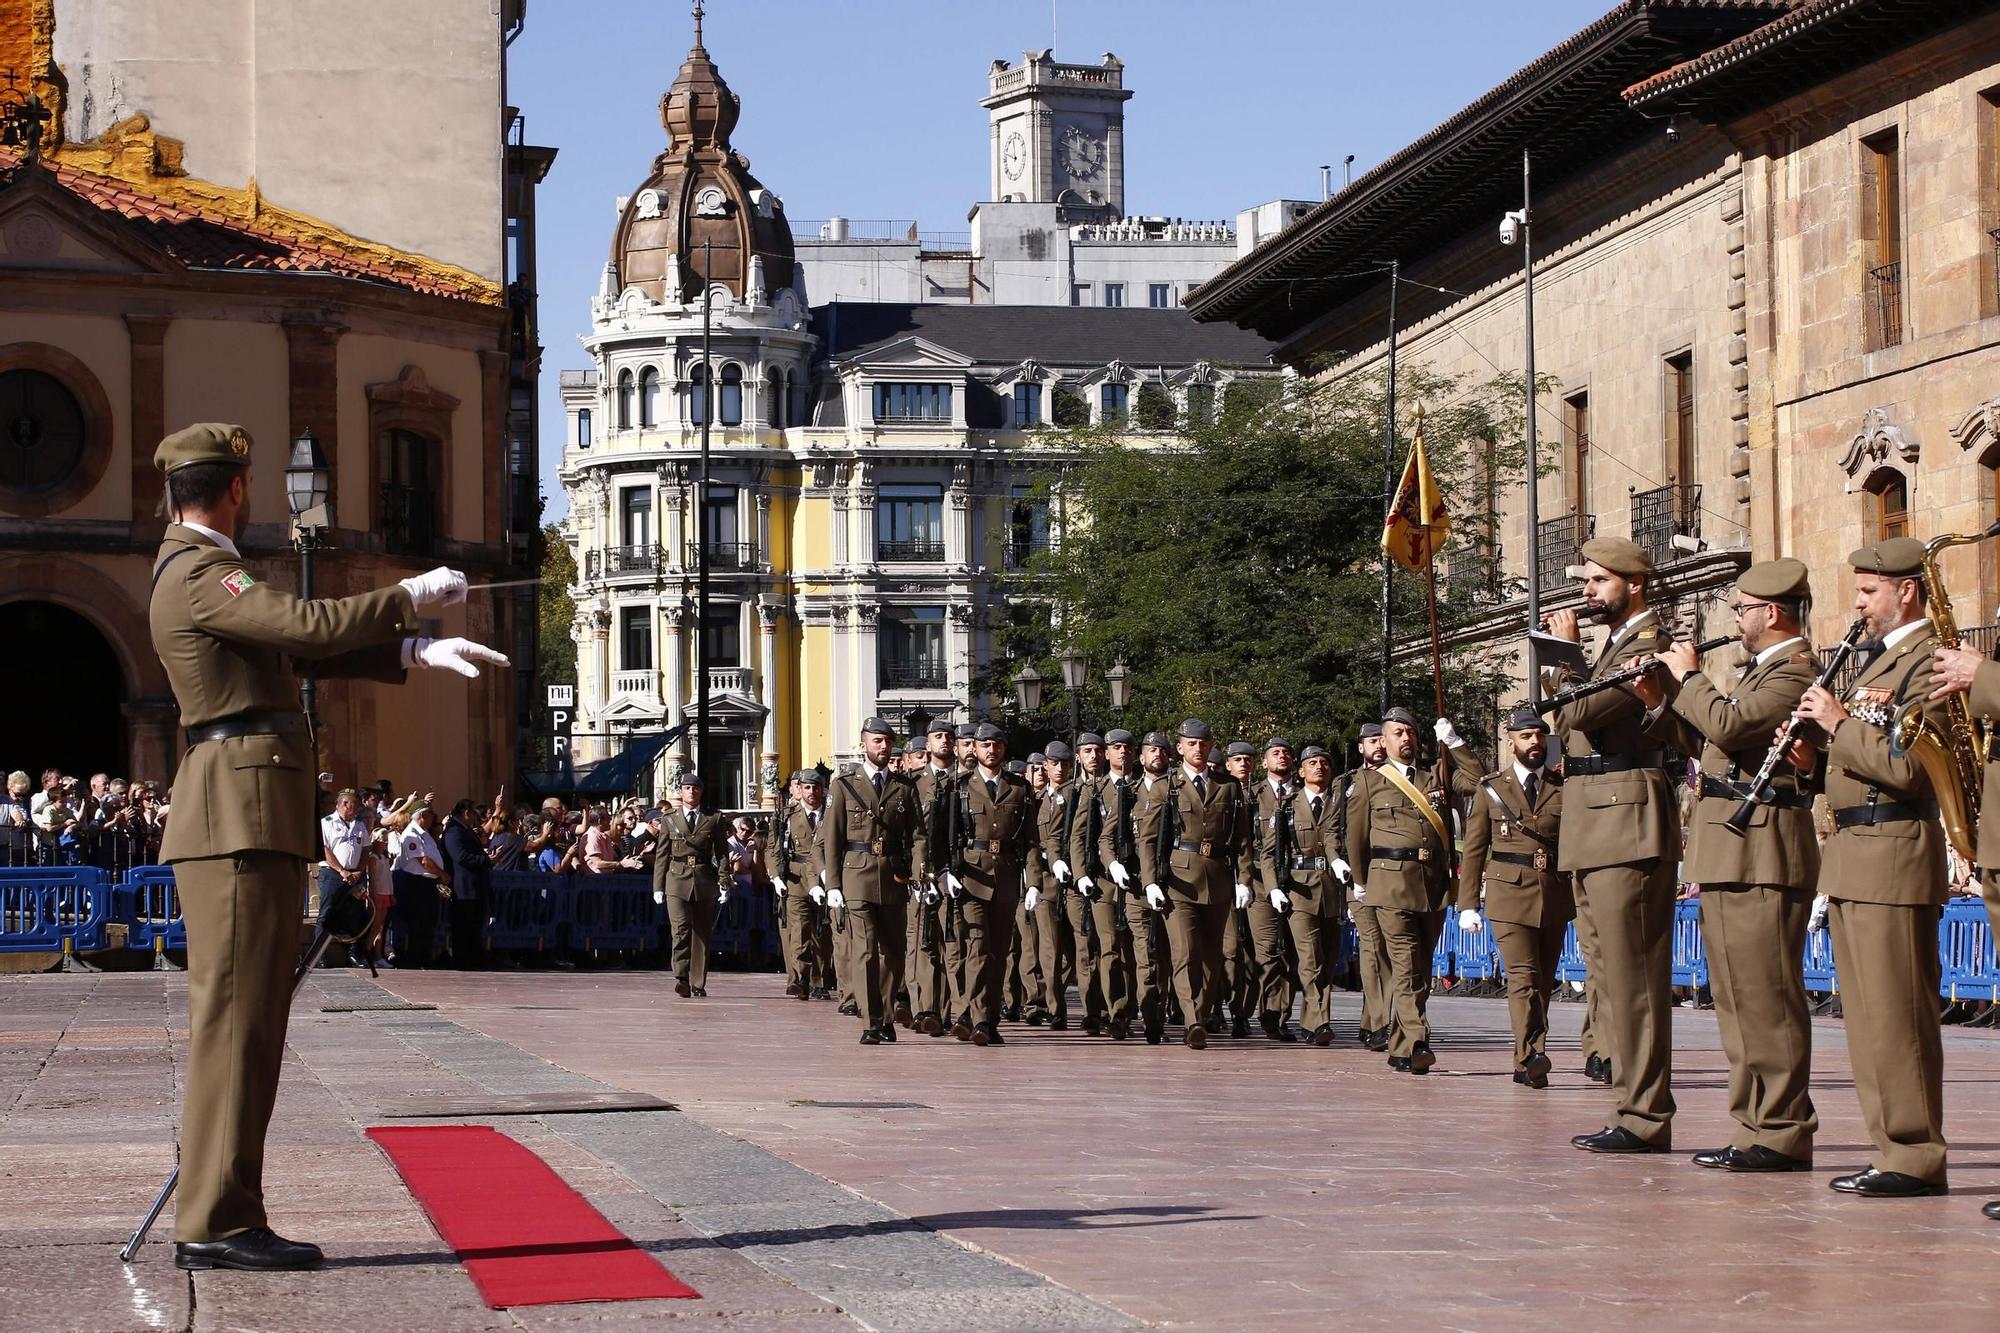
{"points": [[1086, 946], [1194, 855], [935, 987], [1276, 943], [685, 874], [243, 826], [1303, 892], [794, 866], [1512, 831], [1400, 845], [1026, 985], [1127, 796], [1096, 909], [1622, 836], [1756, 886], [1372, 966], [867, 845], [1883, 873], [1048, 901], [1242, 975], [998, 817], [963, 743]]}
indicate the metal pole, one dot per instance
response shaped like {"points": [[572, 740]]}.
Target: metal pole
{"points": [[1534, 468], [1389, 473], [308, 684], [708, 400], [1075, 717]]}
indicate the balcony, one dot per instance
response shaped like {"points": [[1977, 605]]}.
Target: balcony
{"points": [[724, 557], [643, 559], [1661, 514], [920, 673], [1885, 306], [644, 683], [731, 680], [913, 552], [1558, 545]]}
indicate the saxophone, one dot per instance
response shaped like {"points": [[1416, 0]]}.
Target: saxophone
{"points": [[1953, 754]]}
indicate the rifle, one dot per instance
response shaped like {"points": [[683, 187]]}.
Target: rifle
{"points": [[1078, 793], [1284, 838]]}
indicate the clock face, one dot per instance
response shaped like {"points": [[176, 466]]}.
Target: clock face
{"points": [[1082, 156], [1014, 156]]}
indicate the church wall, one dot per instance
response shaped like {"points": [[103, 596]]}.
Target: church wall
{"points": [[103, 346], [235, 370]]}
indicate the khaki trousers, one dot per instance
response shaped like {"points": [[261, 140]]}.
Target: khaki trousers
{"points": [[1411, 938], [1085, 955], [1592, 1040], [1148, 989], [1530, 954], [1114, 956], [951, 944], [1052, 941], [808, 951], [1755, 935], [1241, 978], [1315, 940], [876, 934], [1888, 961], [989, 931], [924, 967], [691, 921], [1279, 965], [1373, 968], [1632, 907], [1195, 934], [242, 916], [1023, 964]]}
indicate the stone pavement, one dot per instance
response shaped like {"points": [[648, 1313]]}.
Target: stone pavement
{"points": [[1059, 1182]]}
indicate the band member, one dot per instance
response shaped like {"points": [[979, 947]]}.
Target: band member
{"points": [[1301, 889], [1106, 794], [1124, 824], [1512, 830], [794, 867], [1242, 976], [998, 826], [1276, 948], [935, 985], [1194, 854], [1756, 886], [685, 873], [1372, 963], [1883, 873], [1049, 878], [867, 846], [1622, 836], [1400, 845]]}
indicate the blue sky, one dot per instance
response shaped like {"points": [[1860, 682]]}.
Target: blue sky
{"points": [[870, 108]]}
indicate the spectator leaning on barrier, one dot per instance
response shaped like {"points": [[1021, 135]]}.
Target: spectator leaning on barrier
{"points": [[471, 877]]}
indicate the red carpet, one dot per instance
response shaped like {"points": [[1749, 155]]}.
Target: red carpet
{"points": [[525, 1236]]}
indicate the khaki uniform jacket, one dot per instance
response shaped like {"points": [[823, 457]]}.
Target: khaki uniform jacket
{"points": [[801, 872], [1518, 894], [866, 846], [1379, 816], [1732, 733], [1084, 858], [1614, 819], [1902, 862], [1264, 805], [928, 862], [1001, 846], [686, 858], [1984, 701], [1056, 816], [228, 644], [1221, 821], [1118, 824], [1310, 846]]}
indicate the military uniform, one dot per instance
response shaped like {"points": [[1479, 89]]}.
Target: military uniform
{"points": [[1273, 937], [1756, 886], [243, 827], [793, 864], [999, 816], [867, 844], [1124, 801], [686, 872], [1297, 859], [936, 987], [1371, 964], [1100, 908], [1062, 915]]}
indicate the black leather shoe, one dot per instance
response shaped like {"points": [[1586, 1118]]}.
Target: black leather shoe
{"points": [[1092, 1027], [1422, 1058], [985, 1034], [870, 1037], [682, 989], [1119, 1031], [1196, 1038], [1759, 1158], [1055, 1024], [888, 1031], [1593, 1067], [1378, 1040], [701, 992], [1538, 1066], [1275, 1029], [1616, 1139], [1012, 1013], [903, 1016], [1400, 1063], [1873, 1184], [1238, 1027], [851, 1009], [962, 1029], [805, 993], [1323, 1035], [1716, 1159], [1992, 1210], [1604, 1072], [1527, 1080], [1155, 1034], [929, 1024], [1035, 1018], [258, 1249]]}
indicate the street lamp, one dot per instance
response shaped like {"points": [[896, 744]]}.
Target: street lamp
{"points": [[307, 496], [1028, 689], [1072, 677], [1118, 681]]}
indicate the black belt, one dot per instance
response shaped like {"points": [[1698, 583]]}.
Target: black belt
{"points": [[1884, 812], [1594, 765], [1204, 848], [1310, 863], [248, 724], [1737, 791], [1399, 854], [1537, 860]]}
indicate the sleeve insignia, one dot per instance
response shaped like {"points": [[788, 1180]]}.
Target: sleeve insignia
{"points": [[237, 582]]}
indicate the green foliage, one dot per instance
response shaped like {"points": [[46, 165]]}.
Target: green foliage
{"points": [[1154, 408], [555, 651], [1067, 409]]}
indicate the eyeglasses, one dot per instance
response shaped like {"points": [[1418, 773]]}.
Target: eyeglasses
{"points": [[1738, 608]]}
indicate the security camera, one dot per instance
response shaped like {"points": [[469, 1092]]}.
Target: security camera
{"points": [[1674, 131], [1691, 545], [1510, 226]]}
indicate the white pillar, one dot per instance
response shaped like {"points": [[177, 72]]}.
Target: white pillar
{"points": [[600, 673], [844, 721], [841, 517], [673, 507], [762, 554], [958, 649], [867, 666], [958, 526], [673, 658]]}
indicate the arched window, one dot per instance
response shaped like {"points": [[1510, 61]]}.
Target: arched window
{"points": [[698, 395], [796, 411], [1890, 500], [583, 428], [624, 400], [649, 397], [732, 395], [775, 393]]}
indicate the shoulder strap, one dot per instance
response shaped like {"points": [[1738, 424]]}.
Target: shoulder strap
{"points": [[161, 568], [1519, 822], [1421, 801]]}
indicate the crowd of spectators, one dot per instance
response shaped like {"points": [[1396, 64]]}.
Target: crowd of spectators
{"points": [[108, 822]]}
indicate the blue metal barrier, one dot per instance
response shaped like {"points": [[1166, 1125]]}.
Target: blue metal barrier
{"points": [[612, 912], [530, 910], [1477, 957], [54, 909], [151, 906], [1690, 957], [1965, 952], [1569, 964], [1821, 977], [747, 925]]}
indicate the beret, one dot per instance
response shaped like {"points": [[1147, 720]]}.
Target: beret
{"points": [[1620, 555], [1058, 751], [876, 726], [1782, 578], [1036, 758], [1899, 557], [1089, 738], [939, 725], [1525, 718], [1242, 748], [1118, 736], [1194, 729], [986, 731], [1016, 766], [1314, 752], [1370, 729], [915, 745], [811, 777], [690, 777], [966, 731], [1277, 743], [1158, 739], [207, 442], [1402, 715]]}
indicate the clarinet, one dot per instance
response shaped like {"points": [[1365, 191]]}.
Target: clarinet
{"points": [[1584, 689], [1761, 790]]}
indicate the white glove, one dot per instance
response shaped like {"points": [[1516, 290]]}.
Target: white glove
{"points": [[1447, 734], [460, 655], [1357, 893], [1119, 874], [930, 895], [659, 896], [1242, 895], [1817, 917], [1061, 869], [1086, 886], [1156, 898], [951, 884], [721, 897], [818, 894], [1280, 901], [440, 587], [836, 900], [1343, 872], [1468, 920]]}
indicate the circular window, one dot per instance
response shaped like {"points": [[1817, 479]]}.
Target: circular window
{"points": [[42, 431]]}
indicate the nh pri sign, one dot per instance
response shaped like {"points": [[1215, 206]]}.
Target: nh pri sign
{"points": [[562, 717]]}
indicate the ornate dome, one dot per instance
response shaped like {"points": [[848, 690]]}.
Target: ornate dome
{"points": [[700, 190]]}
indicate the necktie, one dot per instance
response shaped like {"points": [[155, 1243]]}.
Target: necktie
{"points": [[812, 820], [1318, 804], [1532, 786], [876, 778], [993, 790], [1201, 787], [1869, 650]]}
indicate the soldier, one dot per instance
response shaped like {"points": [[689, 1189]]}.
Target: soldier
{"points": [[1883, 874], [1194, 855], [1622, 836], [1276, 948], [1096, 910], [1304, 894], [962, 741], [243, 825], [1048, 879], [998, 826], [867, 845], [794, 866], [1372, 965], [1512, 830], [935, 959], [685, 874], [1126, 792], [1025, 983], [1241, 975], [1400, 845], [1756, 886]]}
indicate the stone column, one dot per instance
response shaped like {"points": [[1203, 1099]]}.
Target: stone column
{"points": [[600, 675], [767, 657], [763, 537], [845, 722], [842, 504], [958, 651], [958, 520], [673, 516], [673, 656], [867, 666], [864, 518]]}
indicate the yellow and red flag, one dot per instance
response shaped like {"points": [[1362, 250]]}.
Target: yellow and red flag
{"points": [[1418, 522]]}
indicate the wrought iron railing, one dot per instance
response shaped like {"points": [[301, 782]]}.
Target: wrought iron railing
{"points": [[1559, 544], [1980, 638], [642, 559], [724, 556], [910, 552], [1020, 552], [1663, 513], [921, 673], [1885, 305]]}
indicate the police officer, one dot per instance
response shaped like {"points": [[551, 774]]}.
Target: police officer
{"points": [[1757, 885], [243, 826], [937, 985], [867, 846], [793, 865], [1372, 964], [1513, 830], [686, 872], [998, 816], [1301, 889]]}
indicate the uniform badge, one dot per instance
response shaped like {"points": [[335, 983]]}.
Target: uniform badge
{"points": [[1505, 831], [238, 582], [1541, 858], [1873, 705], [239, 443]]}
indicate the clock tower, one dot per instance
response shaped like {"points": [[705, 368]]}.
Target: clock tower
{"points": [[1058, 134]]}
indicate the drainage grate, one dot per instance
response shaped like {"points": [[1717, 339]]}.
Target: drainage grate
{"points": [[530, 1103], [862, 1106], [373, 1007]]}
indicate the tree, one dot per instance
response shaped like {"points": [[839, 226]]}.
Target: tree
{"points": [[1237, 570], [1154, 408], [555, 651]]}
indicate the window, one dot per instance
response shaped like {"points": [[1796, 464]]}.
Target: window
{"points": [[409, 466], [1111, 402], [1066, 408], [1576, 453], [697, 395], [624, 400], [724, 632], [1027, 406], [635, 638], [635, 516], [1155, 409], [1114, 294], [583, 428], [649, 398], [722, 763], [913, 402], [1079, 293], [910, 649], [909, 523], [1200, 404], [721, 530], [1027, 526], [1678, 395], [777, 397], [1160, 295], [1882, 228], [732, 395], [1989, 195], [42, 432], [1891, 499]]}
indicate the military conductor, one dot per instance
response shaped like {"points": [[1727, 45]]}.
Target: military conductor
{"points": [[243, 827]]}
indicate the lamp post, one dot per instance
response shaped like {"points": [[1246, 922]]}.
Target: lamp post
{"points": [[1072, 677], [306, 495], [1028, 689], [1515, 226], [1118, 682]]}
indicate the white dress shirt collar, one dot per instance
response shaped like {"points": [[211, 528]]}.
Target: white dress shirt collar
{"points": [[1775, 649], [1902, 632], [213, 536]]}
